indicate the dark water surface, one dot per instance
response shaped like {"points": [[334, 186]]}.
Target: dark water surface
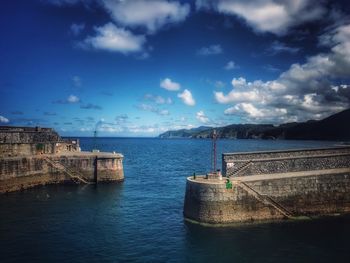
{"points": [[140, 220]]}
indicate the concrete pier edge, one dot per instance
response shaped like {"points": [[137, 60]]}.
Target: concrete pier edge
{"points": [[282, 187]]}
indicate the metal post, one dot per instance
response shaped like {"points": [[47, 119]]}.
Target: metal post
{"points": [[95, 170], [214, 151]]}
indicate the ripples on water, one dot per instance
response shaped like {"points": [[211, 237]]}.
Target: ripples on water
{"points": [[141, 220]]}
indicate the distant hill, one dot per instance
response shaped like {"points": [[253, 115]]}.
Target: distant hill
{"points": [[335, 127], [183, 133]]}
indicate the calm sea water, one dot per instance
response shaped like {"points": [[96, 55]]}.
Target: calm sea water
{"points": [[140, 220]]}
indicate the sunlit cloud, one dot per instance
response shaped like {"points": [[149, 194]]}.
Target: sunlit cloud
{"points": [[187, 98]]}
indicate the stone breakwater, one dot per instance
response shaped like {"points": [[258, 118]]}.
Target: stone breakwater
{"points": [[272, 185], [21, 172], [37, 156]]}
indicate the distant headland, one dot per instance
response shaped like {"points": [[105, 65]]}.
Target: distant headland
{"points": [[335, 127]]}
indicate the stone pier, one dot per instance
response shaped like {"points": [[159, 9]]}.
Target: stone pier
{"points": [[37, 156], [272, 185]]}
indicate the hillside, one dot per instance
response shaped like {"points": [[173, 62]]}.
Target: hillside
{"points": [[183, 133], [335, 127]]}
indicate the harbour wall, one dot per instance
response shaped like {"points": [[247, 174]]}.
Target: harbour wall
{"points": [[31, 156], [275, 185], [21, 172]]}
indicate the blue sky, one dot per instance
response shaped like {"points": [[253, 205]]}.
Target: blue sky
{"points": [[139, 68]]}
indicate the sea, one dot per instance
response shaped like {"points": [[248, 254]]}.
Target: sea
{"points": [[141, 219]]}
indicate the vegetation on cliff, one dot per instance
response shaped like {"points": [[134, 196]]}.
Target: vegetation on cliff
{"points": [[335, 127]]}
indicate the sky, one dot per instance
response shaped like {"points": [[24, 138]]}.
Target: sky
{"points": [[142, 67]]}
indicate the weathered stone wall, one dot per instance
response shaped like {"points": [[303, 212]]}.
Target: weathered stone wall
{"points": [[270, 162], [23, 172], [28, 136], [309, 195], [37, 156], [315, 195], [31, 141], [67, 146], [108, 169], [303, 182], [214, 204], [17, 149]]}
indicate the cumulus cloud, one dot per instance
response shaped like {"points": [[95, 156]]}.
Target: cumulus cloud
{"points": [[230, 65], [200, 115], [211, 50], [150, 14], [254, 112], [168, 84], [187, 98], [4, 120], [304, 91], [272, 16], [112, 38]]}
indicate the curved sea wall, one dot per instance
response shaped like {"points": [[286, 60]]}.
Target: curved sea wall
{"points": [[274, 185]]}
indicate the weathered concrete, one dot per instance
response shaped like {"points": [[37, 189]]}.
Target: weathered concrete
{"points": [[276, 194], [23, 165], [18, 173]]}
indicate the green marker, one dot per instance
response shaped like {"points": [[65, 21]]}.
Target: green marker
{"points": [[228, 184]]}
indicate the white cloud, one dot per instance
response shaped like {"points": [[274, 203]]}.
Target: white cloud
{"points": [[114, 39], [200, 115], [230, 65], [168, 84], [251, 93], [211, 50], [151, 14], [187, 98], [254, 112], [268, 15], [3, 119], [73, 99], [304, 91]]}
